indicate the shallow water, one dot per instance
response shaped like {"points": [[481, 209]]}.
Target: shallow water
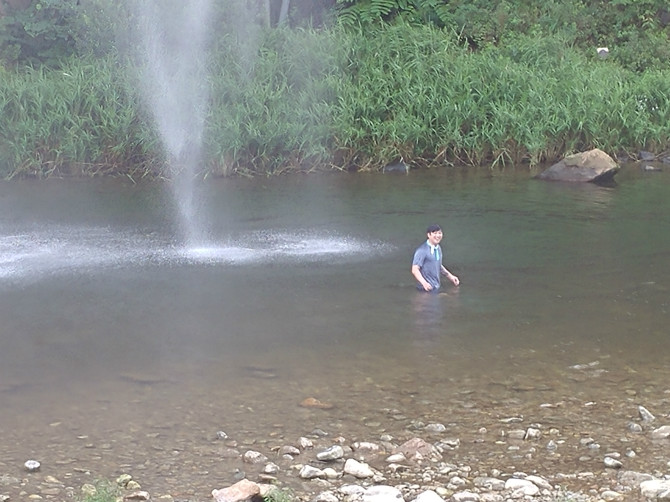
{"points": [[122, 349]]}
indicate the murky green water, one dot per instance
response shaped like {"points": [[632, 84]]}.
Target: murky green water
{"points": [[121, 350]]}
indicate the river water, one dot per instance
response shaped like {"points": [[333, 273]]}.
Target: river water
{"points": [[122, 350]]}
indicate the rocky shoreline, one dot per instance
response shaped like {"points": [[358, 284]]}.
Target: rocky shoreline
{"points": [[430, 466]]}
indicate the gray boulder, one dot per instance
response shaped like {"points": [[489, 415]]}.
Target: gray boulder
{"points": [[594, 166]]}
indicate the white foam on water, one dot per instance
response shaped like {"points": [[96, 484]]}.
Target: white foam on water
{"points": [[283, 246], [220, 254], [85, 250]]}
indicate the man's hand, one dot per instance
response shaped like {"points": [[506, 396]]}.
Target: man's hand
{"points": [[454, 280]]}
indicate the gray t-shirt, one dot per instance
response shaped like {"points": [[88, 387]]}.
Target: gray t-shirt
{"points": [[429, 264]]}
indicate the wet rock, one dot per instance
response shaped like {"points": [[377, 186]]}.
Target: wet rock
{"points": [[271, 468], [136, 496], [533, 433], [633, 427], [591, 166], [123, 480], [645, 414], [366, 447], [289, 450], [656, 489], [521, 487], [395, 468], [382, 493], [395, 458], [540, 482], [335, 452], [358, 469], [254, 457], [305, 443], [456, 483], [312, 402], [326, 497], [242, 490], [32, 465], [611, 495], [511, 420], [466, 496], [661, 433], [396, 167], [516, 434], [612, 463], [133, 485], [310, 472], [491, 484], [417, 449], [428, 496], [448, 444], [331, 473], [352, 491], [435, 428], [633, 478]]}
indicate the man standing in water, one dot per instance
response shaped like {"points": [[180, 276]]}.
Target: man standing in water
{"points": [[427, 263]]}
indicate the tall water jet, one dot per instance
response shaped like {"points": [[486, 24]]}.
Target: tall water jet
{"points": [[172, 49]]}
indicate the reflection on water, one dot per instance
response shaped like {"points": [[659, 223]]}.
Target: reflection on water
{"points": [[432, 313], [113, 333]]}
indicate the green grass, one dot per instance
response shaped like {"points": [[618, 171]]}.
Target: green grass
{"points": [[77, 120], [279, 495], [302, 100], [105, 491]]}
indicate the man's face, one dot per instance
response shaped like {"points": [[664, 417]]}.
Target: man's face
{"points": [[435, 237]]}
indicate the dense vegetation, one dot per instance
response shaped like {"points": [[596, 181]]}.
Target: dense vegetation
{"points": [[344, 85]]}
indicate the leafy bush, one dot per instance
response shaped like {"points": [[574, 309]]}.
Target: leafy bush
{"points": [[348, 99], [44, 32]]}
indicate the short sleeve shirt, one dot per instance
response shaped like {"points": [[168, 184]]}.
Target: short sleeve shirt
{"points": [[429, 264]]}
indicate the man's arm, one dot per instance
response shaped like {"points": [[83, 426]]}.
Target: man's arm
{"points": [[454, 280], [416, 272]]}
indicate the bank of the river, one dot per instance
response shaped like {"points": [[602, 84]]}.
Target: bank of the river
{"points": [[515, 458], [333, 99]]}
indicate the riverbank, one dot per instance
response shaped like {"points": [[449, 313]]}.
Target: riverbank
{"points": [[534, 456], [332, 99]]}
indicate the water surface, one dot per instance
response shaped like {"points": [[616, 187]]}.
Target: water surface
{"points": [[123, 350]]}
